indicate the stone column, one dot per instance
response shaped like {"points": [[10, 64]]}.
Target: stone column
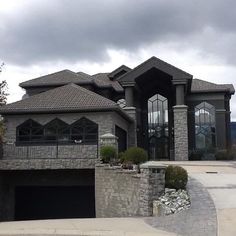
{"points": [[181, 132], [129, 96], [179, 88], [132, 132], [152, 186]]}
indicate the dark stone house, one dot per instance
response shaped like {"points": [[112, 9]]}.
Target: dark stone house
{"points": [[52, 136]]}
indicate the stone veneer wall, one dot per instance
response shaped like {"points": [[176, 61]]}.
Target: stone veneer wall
{"points": [[181, 132], [47, 164], [106, 122], [122, 193], [47, 151]]}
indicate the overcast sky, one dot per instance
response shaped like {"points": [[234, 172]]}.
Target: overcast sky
{"points": [[38, 37]]}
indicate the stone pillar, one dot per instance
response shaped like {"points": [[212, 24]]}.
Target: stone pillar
{"points": [[179, 94], [152, 186], [181, 132], [132, 132], [129, 96]]}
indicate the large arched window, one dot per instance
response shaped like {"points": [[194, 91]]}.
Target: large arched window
{"points": [[57, 130], [29, 131], [205, 134], [84, 131]]}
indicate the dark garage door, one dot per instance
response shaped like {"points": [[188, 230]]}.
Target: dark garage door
{"points": [[54, 202]]}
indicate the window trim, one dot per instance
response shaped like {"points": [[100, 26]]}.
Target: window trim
{"points": [[45, 142], [207, 124]]}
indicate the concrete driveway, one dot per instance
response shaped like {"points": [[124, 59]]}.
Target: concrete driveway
{"points": [[81, 227], [220, 180]]}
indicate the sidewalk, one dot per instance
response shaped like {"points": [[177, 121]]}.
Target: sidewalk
{"points": [[79, 227]]}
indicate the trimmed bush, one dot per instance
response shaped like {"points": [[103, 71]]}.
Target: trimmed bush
{"points": [[176, 177], [121, 157], [196, 155], [108, 153], [224, 155], [135, 155]]}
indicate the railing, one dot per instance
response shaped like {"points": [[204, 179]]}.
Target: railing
{"points": [[48, 150]]}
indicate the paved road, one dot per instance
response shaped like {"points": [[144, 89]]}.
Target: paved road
{"points": [[199, 220], [219, 178]]}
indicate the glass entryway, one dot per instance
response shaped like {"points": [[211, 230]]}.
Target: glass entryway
{"points": [[158, 130]]}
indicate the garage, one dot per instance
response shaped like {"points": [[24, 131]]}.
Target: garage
{"points": [[54, 202], [47, 194]]}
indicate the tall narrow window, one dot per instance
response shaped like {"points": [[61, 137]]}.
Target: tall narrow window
{"points": [[84, 131], [205, 134], [57, 130], [158, 130], [29, 131]]}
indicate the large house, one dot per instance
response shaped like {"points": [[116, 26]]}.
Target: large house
{"points": [[52, 136]]}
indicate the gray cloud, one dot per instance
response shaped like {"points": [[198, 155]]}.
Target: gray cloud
{"points": [[82, 30]]}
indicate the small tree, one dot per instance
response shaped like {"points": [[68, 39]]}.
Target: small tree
{"points": [[3, 89], [3, 101]]}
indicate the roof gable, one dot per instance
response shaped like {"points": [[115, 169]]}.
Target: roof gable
{"points": [[118, 72], [154, 62]]}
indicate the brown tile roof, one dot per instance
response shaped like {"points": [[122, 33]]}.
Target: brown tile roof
{"points": [[59, 78], [199, 86], [66, 98], [64, 77], [103, 80]]}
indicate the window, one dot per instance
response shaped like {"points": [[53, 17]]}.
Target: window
{"points": [[84, 131], [29, 131], [57, 130], [158, 127], [205, 134]]}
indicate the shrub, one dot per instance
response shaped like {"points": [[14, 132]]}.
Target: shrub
{"points": [[121, 157], [224, 155], [196, 155], [176, 177], [108, 153], [135, 155]]}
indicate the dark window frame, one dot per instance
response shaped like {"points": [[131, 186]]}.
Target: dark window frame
{"points": [[31, 127], [205, 125], [85, 125], [63, 133]]}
